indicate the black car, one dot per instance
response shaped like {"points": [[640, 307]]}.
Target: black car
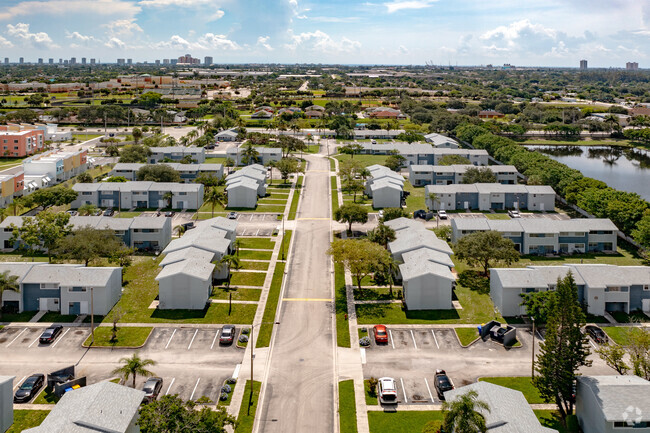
{"points": [[442, 383], [169, 213], [597, 334], [421, 213], [151, 389], [227, 334], [50, 334], [109, 212], [29, 388]]}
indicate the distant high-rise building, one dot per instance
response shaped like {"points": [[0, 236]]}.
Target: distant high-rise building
{"points": [[187, 59], [165, 61], [121, 62], [60, 61], [631, 66], [207, 61], [65, 62], [583, 64], [73, 61], [129, 61], [40, 60], [22, 60], [174, 61], [92, 61], [6, 60], [157, 62], [83, 60], [50, 61]]}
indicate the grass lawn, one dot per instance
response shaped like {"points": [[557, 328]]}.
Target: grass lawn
{"points": [[378, 294], [256, 266], [335, 195], [265, 208], [633, 317], [256, 243], [237, 294], [405, 421], [85, 137], [46, 396], [255, 255], [332, 165], [215, 160], [365, 160], [466, 335], [347, 407], [620, 334], [523, 384], [17, 317], [57, 318], [140, 289], [341, 303], [550, 419], [126, 336], [414, 201], [497, 216], [477, 308], [247, 415], [25, 419], [296, 198], [371, 399], [247, 279], [128, 214], [625, 256], [266, 329], [10, 162]]}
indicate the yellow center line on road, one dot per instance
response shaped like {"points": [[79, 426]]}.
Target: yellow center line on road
{"points": [[307, 299]]}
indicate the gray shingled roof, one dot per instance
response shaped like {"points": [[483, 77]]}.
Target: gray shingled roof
{"points": [[418, 265], [408, 240], [519, 278], [615, 394], [19, 269], [69, 275], [101, 407], [403, 223], [196, 268], [429, 255], [220, 223], [187, 253]]}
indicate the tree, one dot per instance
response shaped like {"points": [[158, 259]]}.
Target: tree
{"points": [[271, 165], [384, 274], [231, 262], [250, 154], [641, 233], [86, 244], [395, 161], [564, 349], [463, 414], [116, 179], [158, 173], [84, 178], [351, 213], [290, 144], [137, 134], [479, 175], [485, 249], [210, 180], [121, 257], [537, 305], [55, 196], [287, 166], [168, 197], [133, 367], [360, 257], [613, 355], [639, 349], [87, 209], [452, 160], [351, 149], [392, 213], [409, 137], [432, 199], [45, 230], [382, 235], [135, 153], [8, 282], [171, 414], [214, 197]]}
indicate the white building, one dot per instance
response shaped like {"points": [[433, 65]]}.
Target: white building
{"points": [[245, 185], [385, 187], [490, 196], [175, 154], [421, 175], [185, 284], [128, 195], [6, 402], [441, 141], [265, 155]]}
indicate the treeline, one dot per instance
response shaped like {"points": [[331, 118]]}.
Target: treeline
{"points": [[627, 210]]}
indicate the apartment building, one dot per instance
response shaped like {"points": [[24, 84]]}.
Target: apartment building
{"points": [[385, 187], [487, 196], [265, 154], [176, 153], [421, 175], [13, 186], [424, 153], [54, 167], [16, 142], [188, 172], [143, 195]]}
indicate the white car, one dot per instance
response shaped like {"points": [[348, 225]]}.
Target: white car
{"points": [[514, 214], [442, 214], [387, 390]]}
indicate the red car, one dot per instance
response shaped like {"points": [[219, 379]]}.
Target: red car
{"points": [[381, 334]]}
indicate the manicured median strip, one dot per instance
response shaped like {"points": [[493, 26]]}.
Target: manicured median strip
{"points": [[335, 195], [523, 384], [127, 336], [256, 243], [247, 279], [246, 418], [371, 398], [466, 335], [341, 303], [620, 334], [296, 198], [406, 421], [266, 329], [347, 407]]}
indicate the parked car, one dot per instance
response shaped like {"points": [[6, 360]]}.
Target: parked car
{"points": [[73, 212], [109, 212], [50, 334], [514, 214], [442, 383], [29, 388], [442, 214], [151, 389], [387, 390], [597, 334], [169, 213], [381, 334], [227, 334], [420, 213], [232, 215]]}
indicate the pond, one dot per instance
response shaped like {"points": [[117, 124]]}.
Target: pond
{"points": [[622, 169]]}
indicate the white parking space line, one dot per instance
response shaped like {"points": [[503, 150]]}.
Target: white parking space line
{"points": [[592, 344], [195, 386], [257, 232], [435, 339], [414, 343], [539, 336], [37, 338], [363, 355], [19, 382], [61, 337], [170, 339], [170, 385], [215, 339], [406, 400], [391, 338], [193, 337], [19, 334], [429, 389], [235, 374]]}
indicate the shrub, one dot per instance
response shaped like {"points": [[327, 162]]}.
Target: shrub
{"points": [[246, 331], [231, 380], [365, 341], [226, 388], [243, 339], [223, 396], [372, 386]]}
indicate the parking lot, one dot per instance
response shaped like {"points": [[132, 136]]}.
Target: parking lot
{"points": [[257, 224], [190, 360]]}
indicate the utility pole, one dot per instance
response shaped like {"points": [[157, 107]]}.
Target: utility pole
{"points": [[92, 317], [282, 237], [532, 368], [252, 343]]}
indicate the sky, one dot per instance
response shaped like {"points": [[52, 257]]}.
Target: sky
{"points": [[607, 33]]}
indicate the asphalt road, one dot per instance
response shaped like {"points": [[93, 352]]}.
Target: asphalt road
{"points": [[299, 393]]}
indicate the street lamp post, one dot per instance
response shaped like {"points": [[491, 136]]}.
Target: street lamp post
{"points": [[92, 317], [532, 368]]}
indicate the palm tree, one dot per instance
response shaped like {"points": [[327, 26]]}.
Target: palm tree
{"points": [[271, 164], [180, 229], [168, 196], [250, 154], [612, 122], [231, 262], [134, 366], [433, 197], [213, 197], [462, 415], [192, 135], [8, 282]]}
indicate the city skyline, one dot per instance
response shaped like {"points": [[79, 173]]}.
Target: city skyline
{"points": [[551, 33]]}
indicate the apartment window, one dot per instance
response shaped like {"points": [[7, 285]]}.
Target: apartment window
{"points": [[631, 424], [646, 287], [182, 193], [49, 286], [580, 246], [613, 289], [528, 290], [76, 289]]}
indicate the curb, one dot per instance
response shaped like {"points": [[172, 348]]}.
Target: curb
{"points": [[120, 347]]}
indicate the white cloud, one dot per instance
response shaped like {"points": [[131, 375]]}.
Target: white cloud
{"points": [[403, 49], [398, 5], [21, 32], [79, 40], [115, 43], [183, 3], [210, 40], [207, 41], [4, 43], [125, 27], [263, 41], [322, 42], [67, 7]]}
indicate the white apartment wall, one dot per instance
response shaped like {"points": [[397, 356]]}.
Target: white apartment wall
{"points": [[183, 292], [428, 292]]}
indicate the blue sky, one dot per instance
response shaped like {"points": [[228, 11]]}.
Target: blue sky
{"points": [[464, 32]]}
